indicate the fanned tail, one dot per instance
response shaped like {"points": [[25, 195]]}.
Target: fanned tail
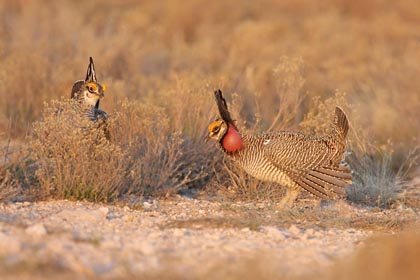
{"points": [[327, 182], [340, 125]]}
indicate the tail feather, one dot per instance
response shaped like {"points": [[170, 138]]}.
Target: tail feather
{"points": [[327, 182], [343, 172], [340, 125], [328, 179], [329, 189], [313, 188]]}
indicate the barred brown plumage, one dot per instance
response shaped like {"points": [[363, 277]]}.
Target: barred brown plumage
{"points": [[292, 159], [88, 93]]}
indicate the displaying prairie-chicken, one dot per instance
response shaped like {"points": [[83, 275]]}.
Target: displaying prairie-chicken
{"points": [[292, 159], [88, 94]]}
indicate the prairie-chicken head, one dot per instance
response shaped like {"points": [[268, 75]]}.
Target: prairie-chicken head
{"points": [[224, 130], [217, 130], [88, 91]]}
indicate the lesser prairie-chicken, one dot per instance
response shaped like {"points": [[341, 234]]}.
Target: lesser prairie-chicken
{"points": [[292, 159]]}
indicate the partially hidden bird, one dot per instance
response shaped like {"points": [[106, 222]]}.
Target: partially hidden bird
{"points": [[88, 93], [292, 159]]}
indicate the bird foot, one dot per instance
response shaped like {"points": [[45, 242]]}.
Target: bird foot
{"points": [[288, 200]]}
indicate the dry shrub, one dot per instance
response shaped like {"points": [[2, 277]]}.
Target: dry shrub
{"points": [[321, 112], [18, 179], [8, 182], [160, 160], [17, 171], [145, 155], [74, 158], [375, 182]]}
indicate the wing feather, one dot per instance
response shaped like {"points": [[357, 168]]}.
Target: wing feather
{"points": [[310, 161], [296, 152]]}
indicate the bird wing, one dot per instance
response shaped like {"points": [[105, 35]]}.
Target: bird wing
{"points": [[76, 88], [308, 161], [295, 153]]}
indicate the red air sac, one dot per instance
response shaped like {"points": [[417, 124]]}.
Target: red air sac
{"points": [[232, 141]]}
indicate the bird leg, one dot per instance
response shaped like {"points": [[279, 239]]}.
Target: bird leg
{"points": [[288, 199]]}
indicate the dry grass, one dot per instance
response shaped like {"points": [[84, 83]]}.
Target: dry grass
{"points": [[284, 61], [143, 156]]}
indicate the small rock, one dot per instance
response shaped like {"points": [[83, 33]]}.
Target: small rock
{"points": [[36, 230], [332, 231], [178, 232], [246, 229], [308, 234], [147, 205], [294, 230], [104, 210], [127, 218], [146, 248], [274, 232], [310, 231]]}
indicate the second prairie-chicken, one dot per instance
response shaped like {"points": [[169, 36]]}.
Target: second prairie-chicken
{"points": [[292, 159], [88, 94]]}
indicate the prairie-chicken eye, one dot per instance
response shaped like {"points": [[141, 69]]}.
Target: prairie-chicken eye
{"points": [[216, 129], [92, 87]]}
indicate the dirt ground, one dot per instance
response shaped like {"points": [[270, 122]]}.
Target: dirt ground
{"points": [[185, 238]]}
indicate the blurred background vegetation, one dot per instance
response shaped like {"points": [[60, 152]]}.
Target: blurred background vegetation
{"points": [[282, 64]]}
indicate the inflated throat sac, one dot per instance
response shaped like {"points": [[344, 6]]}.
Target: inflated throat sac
{"points": [[232, 141]]}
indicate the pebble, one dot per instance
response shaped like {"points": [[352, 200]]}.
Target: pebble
{"points": [[310, 231], [147, 205], [36, 230], [274, 232], [294, 230]]}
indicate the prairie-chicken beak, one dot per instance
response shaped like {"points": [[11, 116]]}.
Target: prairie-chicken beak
{"points": [[98, 93], [102, 90]]}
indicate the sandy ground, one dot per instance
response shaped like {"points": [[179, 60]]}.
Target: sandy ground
{"points": [[176, 238]]}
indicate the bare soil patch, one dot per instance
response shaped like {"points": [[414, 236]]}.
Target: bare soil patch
{"points": [[184, 238]]}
